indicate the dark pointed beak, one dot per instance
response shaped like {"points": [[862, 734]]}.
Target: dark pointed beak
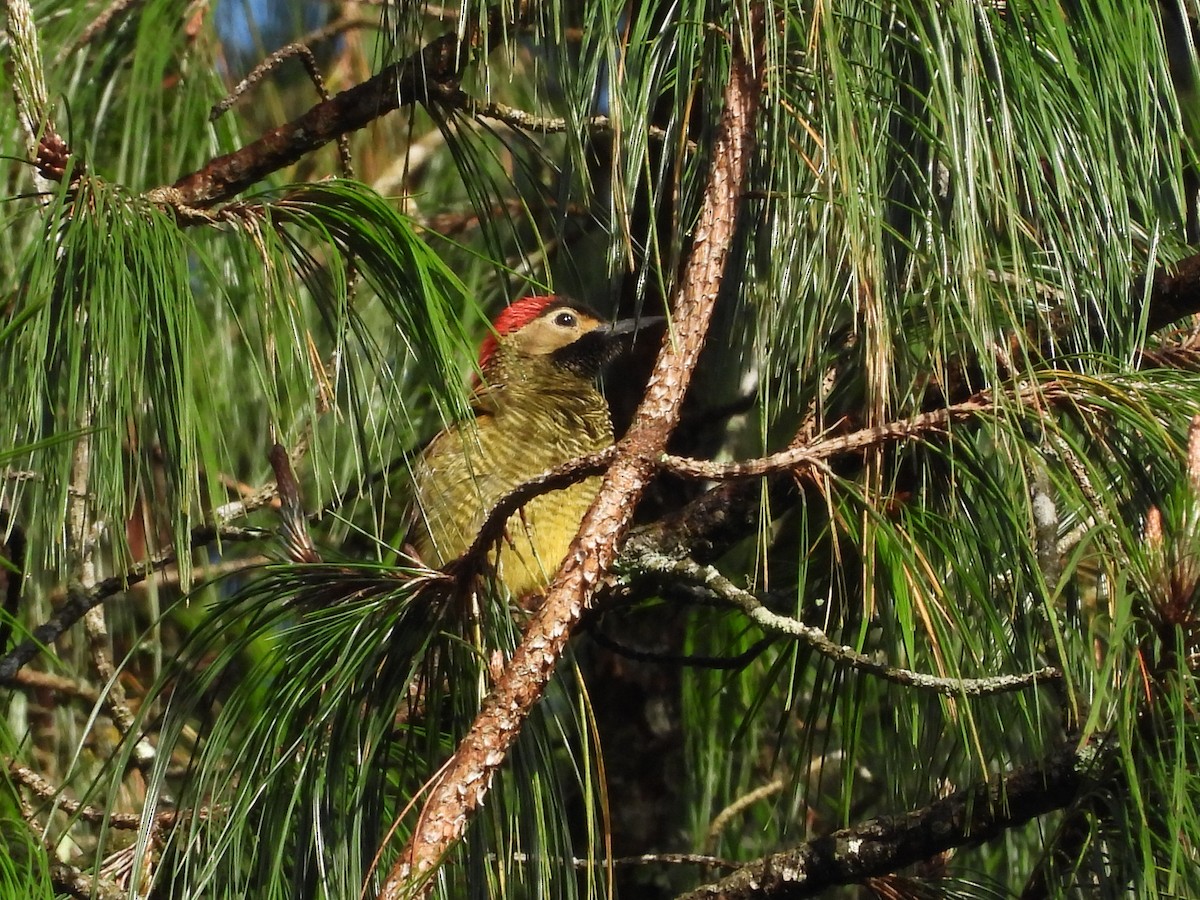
{"points": [[600, 346], [632, 326]]}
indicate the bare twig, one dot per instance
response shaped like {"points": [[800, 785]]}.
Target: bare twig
{"points": [[337, 28], [52, 793], [645, 859], [520, 120], [819, 450], [79, 601], [45, 681], [301, 51], [97, 25], [556, 479], [20, 475], [265, 68], [722, 819], [465, 782], [255, 500]]}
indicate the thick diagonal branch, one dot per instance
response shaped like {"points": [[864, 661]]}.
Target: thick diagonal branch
{"points": [[400, 84], [886, 844], [467, 776]]}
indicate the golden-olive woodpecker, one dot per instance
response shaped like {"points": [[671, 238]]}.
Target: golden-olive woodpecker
{"points": [[535, 407]]}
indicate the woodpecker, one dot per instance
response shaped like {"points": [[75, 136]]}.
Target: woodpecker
{"points": [[535, 407]]}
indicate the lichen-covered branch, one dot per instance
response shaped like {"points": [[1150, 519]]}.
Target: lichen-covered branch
{"points": [[888, 843], [819, 641]]}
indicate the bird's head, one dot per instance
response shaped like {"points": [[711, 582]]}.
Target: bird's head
{"points": [[559, 330]]}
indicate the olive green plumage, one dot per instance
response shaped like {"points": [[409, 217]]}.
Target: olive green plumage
{"points": [[536, 408]]}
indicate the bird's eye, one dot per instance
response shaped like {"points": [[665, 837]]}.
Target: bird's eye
{"points": [[565, 319]]}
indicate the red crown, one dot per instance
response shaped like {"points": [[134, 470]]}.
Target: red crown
{"points": [[514, 318]]}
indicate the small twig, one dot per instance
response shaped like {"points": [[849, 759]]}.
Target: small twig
{"points": [[722, 819], [710, 524], [520, 120], [569, 33], [677, 859], [82, 885], [256, 500], [818, 450], [301, 51], [1071, 460], [20, 475], [98, 24], [49, 792], [78, 602], [263, 69], [85, 533], [336, 28], [169, 573], [813, 637], [556, 479], [45, 681]]}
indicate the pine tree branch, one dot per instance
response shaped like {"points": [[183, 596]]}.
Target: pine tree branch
{"points": [[1174, 293], [785, 626], [54, 794], [84, 533], [521, 120], [110, 13], [464, 783], [80, 601], [796, 456], [82, 885], [492, 530], [51, 156], [888, 843], [401, 84]]}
